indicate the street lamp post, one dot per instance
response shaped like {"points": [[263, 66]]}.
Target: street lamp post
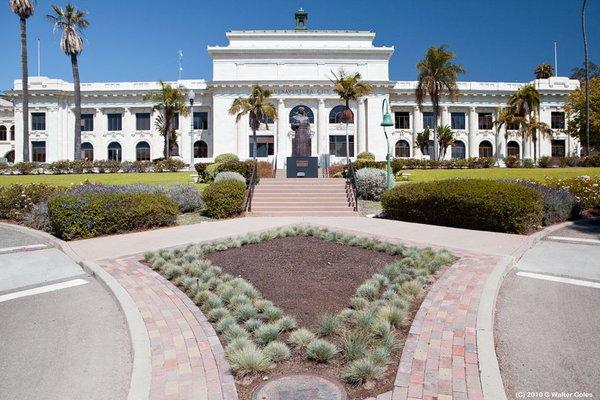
{"points": [[387, 121], [191, 96]]}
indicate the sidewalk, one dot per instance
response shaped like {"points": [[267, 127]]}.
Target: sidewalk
{"points": [[493, 243]]}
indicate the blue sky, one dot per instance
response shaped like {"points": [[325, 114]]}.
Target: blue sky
{"points": [[129, 40]]}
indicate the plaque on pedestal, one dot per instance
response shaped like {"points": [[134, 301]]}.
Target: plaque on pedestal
{"points": [[302, 167], [301, 164]]}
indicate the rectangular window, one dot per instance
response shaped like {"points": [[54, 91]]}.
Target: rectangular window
{"points": [[337, 145], [486, 122], [557, 120], [87, 122], [38, 151], [175, 121], [142, 121], [402, 120], [558, 148], [265, 146], [513, 126], [115, 122], [38, 121], [428, 120], [457, 120], [201, 120]]}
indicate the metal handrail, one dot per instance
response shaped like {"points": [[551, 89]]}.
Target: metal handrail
{"points": [[351, 191], [251, 185], [275, 167]]}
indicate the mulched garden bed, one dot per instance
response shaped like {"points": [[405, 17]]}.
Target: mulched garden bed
{"points": [[305, 276]]}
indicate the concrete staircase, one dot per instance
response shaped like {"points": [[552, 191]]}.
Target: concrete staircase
{"points": [[301, 197]]}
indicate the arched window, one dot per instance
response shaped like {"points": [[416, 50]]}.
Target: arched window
{"points": [[87, 151], [513, 149], [335, 115], [402, 149], [307, 111], [2, 132], [12, 132], [142, 151], [115, 151], [200, 149], [458, 149], [486, 149], [10, 156]]}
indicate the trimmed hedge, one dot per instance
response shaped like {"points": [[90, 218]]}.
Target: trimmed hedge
{"points": [[225, 199], [73, 217], [467, 203]]}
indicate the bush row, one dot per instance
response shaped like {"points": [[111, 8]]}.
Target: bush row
{"points": [[98, 166], [208, 171], [467, 203]]}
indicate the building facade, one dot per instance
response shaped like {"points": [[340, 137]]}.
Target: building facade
{"points": [[296, 66]]}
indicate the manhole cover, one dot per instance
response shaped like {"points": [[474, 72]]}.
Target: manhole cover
{"points": [[300, 387]]}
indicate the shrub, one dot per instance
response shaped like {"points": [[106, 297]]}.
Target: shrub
{"points": [[559, 204], [276, 351], [527, 163], [226, 175], [301, 337], [512, 162], [37, 217], [26, 168], [225, 199], [467, 203], [141, 166], [370, 183], [201, 170], [545, 162], [244, 168], [17, 200], [320, 350], [362, 370], [591, 161], [265, 169], [92, 215], [585, 188], [169, 164], [104, 166], [365, 155], [225, 157], [188, 199], [248, 360]]}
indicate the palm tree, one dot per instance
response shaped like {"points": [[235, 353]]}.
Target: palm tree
{"points": [[259, 109], [437, 77], [349, 88], [445, 138], [24, 9], [524, 103], [532, 128], [169, 102], [71, 22], [543, 71], [506, 118], [422, 140]]}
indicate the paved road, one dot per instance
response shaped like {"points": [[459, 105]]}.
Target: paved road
{"points": [[62, 336], [547, 320]]}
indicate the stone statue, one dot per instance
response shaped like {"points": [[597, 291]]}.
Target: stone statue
{"points": [[301, 141]]}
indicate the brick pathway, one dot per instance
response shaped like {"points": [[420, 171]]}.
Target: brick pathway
{"points": [[439, 360], [187, 357]]}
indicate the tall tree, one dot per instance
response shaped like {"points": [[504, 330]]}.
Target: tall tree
{"points": [[507, 118], [576, 109], [579, 72], [543, 71], [350, 87], [169, 102], [437, 77], [259, 109], [445, 138], [71, 22], [24, 9], [524, 104]]}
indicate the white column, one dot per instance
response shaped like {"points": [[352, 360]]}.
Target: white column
{"points": [[500, 151], [473, 129], [362, 126], [322, 128], [416, 128], [445, 116], [281, 134], [526, 145]]}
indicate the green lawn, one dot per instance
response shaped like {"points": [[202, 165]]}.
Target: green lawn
{"points": [[162, 178], [538, 174]]}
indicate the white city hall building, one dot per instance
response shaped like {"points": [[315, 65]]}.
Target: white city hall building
{"points": [[296, 66]]}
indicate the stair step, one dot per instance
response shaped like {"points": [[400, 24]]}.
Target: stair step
{"points": [[299, 199], [312, 213], [323, 207]]}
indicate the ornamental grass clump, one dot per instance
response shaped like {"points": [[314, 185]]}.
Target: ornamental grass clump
{"points": [[328, 324], [362, 371], [266, 333], [277, 351], [301, 337], [248, 360], [321, 351]]}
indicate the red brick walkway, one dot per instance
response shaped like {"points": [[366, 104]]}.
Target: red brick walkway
{"points": [[187, 357], [439, 360]]}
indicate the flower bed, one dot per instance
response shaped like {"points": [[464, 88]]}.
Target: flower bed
{"points": [[585, 188], [360, 342]]}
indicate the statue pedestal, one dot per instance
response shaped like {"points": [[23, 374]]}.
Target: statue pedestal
{"points": [[302, 167]]}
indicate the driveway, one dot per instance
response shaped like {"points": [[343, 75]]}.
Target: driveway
{"points": [[62, 335], [547, 320]]}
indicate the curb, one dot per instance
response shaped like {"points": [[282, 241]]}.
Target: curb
{"points": [[139, 386], [489, 370]]}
